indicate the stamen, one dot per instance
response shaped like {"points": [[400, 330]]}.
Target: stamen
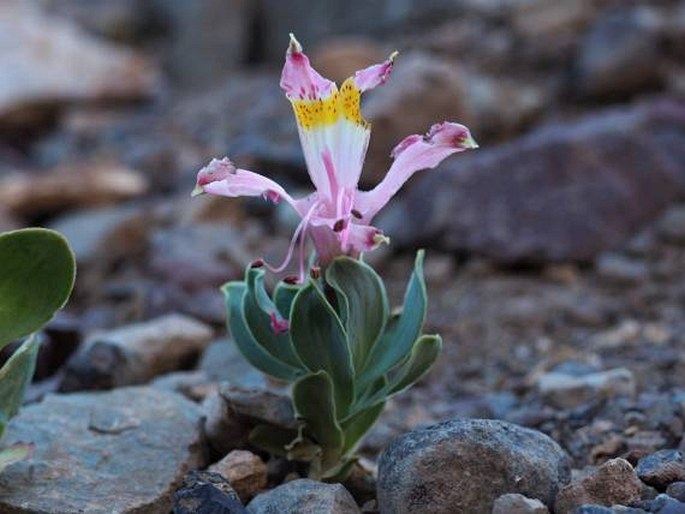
{"points": [[259, 263], [356, 214], [315, 272], [290, 280], [339, 225]]}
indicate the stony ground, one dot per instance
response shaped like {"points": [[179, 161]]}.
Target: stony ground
{"points": [[555, 263]]}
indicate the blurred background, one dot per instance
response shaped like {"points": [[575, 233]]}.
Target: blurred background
{"points": [[558, 243]]}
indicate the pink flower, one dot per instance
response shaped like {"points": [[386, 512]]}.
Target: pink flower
{"points": [[334, 137]]}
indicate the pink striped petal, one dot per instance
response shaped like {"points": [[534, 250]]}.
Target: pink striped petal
{"points": [[413, 154], [299, 80], [374, 75]]}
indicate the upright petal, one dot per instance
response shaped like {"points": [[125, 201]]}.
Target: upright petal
{"points": [[413, 154]]}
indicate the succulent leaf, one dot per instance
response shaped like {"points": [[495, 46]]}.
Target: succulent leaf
{"points": [[314, 401], [363, 304], [37, 271], [356, 426], [401, 332], [260, 358], [15, 453], [321, 343], [15, 376], [284, 294], [272, 439]]}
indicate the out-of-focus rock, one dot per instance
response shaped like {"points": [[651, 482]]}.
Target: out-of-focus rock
{"points": [[304, 495], [614, 482], [619, 270], [136, 353], [102, 236], [621, 55], [662, 468], [478, 461], [568, 391], [672, 225], [421, 91], [564, 193], [47, 62], [245, 471], [122, 451], [339, 58], [68, 187], [518, 504], [204, 492]]}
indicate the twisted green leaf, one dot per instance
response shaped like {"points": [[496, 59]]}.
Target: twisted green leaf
{"points": [[15, 376]]}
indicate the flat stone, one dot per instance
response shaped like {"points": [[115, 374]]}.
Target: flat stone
{"points": [[478, 461], [662, 468], [614, 482], [123, 451], [518, 504], [568, 391], [304, 495], [565, 192], [676, 490]]}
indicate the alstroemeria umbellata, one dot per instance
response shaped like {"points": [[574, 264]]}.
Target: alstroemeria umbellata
{"points": [[334, 137]]}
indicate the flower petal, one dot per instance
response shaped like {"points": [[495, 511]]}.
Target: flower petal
{"points": [[412, 154], [221, 177], [374, 75], [299, 80]]}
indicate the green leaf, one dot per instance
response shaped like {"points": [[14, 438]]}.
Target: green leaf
{"points": [[425, 352], [257, 307], [37, 271], [363, 304], [272, 439], [313, 398], [234, 294], [284, 294], [401, 332], [321, 343], [15, 376], [356, 427], [15, 453]]}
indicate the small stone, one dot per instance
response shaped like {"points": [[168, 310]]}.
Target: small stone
{"points": [[304, 495], [614, 482], [518, 504], [621, 271], [671, 227], [122, 451], [567, 391], [676, 490], [244, 470], [662, 468], [479, 460], [134, 354], [206, 493], [592, 509]]}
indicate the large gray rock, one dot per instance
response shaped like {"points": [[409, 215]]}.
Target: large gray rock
{"points": [[304, 495], [123, 451], [565, 192], [462, 466]]}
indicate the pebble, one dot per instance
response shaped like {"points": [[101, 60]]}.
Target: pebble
{"points": [[662, 468], [245, 471], [567, 391], [518, 504], [204, 492], [304, 496]]}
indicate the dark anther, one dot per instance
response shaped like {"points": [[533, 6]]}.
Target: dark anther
{"points": [[257, 264], [356, 214], [339, 225], [291, 280], [315, 272]]}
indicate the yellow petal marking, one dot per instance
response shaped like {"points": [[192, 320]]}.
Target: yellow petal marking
{"points": [[344, 103]]}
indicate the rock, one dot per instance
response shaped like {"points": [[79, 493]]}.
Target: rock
{"points": [[614, 482], [421, 90], [676, 490], [672, 225], [244, 470], [570, 191], [85, 185], [222, 361], [205, 492], [567, 391], [269, 405], [663, 504], [123, 451], [48, 62], [619, 270], [479, 460], [518, 504], [361, 482], [621, 55], [194, 384], [662, 468], [136, 353], [304, 495], [102, 236], [225, 430]]}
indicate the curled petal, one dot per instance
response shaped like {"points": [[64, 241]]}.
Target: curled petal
{"points": [[220, 177], [412, 154], [363, 238], [299, 80], [374, 75]]}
